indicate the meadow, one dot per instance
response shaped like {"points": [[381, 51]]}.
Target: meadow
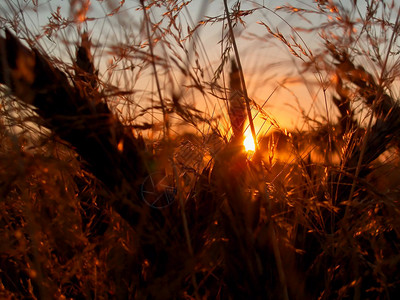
{"points": [[136, 163]]}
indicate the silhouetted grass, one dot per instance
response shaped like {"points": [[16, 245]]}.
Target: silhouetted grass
{"points": [[123, 171]]}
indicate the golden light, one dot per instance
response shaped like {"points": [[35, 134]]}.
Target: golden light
{"points": [[249, 143]]}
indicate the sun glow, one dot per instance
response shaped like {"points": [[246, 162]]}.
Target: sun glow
{"points": [[249, 143]]}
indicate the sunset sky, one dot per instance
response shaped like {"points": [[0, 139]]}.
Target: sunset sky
{"points": [[273, 75]]}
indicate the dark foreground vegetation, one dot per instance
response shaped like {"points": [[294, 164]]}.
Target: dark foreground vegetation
{"points": [[104, 196]]}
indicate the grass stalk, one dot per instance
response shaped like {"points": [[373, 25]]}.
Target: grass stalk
{"points": [[241, 75], [153, 64], [186, 229]]}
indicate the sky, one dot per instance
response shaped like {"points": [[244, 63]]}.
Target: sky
{"points": [[273, 75]]}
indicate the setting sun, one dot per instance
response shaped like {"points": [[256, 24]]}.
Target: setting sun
{"points": [[249, 143]]}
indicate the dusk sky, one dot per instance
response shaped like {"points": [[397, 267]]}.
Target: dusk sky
{"points": [[271, 71]]}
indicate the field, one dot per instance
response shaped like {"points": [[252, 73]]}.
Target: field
{"points": [[126, 164]]}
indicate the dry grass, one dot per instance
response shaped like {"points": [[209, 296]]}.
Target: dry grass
{"points": [[123, 173]]}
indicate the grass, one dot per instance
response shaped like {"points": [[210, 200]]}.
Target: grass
{"points": [[123, 170]]}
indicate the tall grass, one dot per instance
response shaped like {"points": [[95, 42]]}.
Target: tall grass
{"points": [[123, 171]]}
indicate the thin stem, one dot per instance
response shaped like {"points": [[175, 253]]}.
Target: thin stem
{"points": [[164, 111], [242, 80], [186, 230], [275, 246]]}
